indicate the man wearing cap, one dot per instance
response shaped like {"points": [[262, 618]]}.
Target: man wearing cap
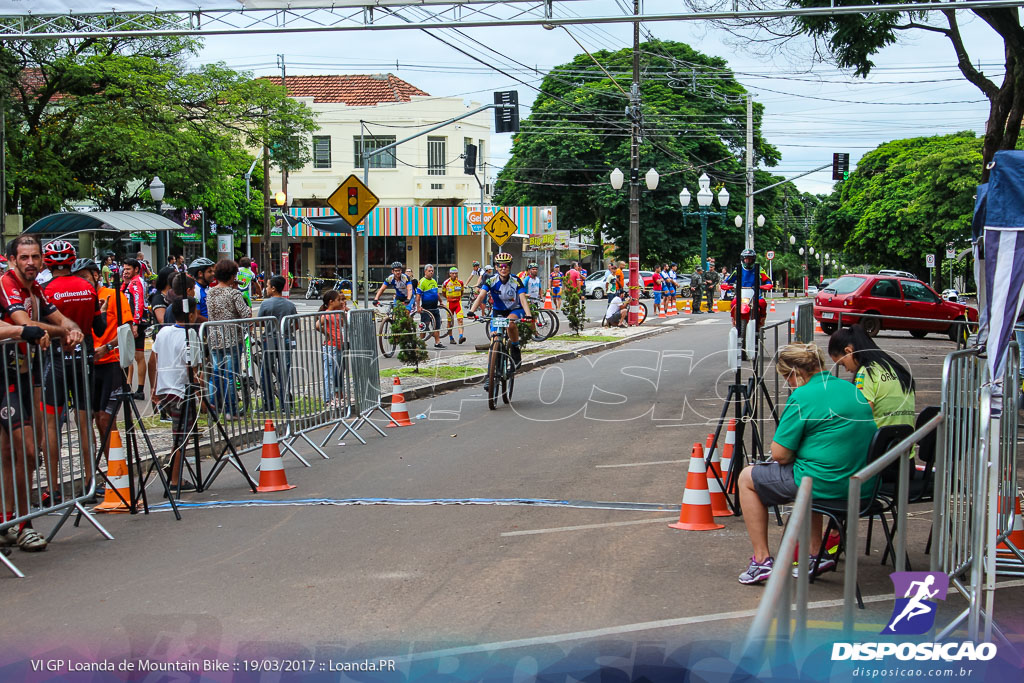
{"points": [[452, 289], [533, 285], [697, 286]]}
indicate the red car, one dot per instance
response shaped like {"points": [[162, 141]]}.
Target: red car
{"points": [[888, 295]]}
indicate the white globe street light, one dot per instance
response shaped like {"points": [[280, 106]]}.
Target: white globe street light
{"points": [[651, 178], [792, 240], [617, 179]]}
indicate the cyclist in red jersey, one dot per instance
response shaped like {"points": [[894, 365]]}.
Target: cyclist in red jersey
{"points": [[19, 298], [63, 378]]}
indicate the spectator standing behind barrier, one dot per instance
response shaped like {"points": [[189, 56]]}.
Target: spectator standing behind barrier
{"points": [[107, 377], [573, 276], [23, 303], [824, 433], [887, 386], [135, 289], [159, 301], [106, 274], [64, 374], [697, 285], [333, 350], [247, 281], [276, 351], [428, 299], [172, 384], [225, 302], [201, 270]]}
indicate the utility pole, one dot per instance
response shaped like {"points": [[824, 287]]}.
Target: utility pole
{"points": [[284, 182], [750, 173], [265, 242], [634, 175]]}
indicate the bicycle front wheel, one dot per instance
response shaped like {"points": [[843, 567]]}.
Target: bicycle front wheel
{"points": [[509, 382], [547, 324], [387, 348], [495, 371], [447, 321]]}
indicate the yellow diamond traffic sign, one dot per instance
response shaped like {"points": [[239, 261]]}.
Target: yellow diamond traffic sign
{"points": [[353, 200], [501, 227]]}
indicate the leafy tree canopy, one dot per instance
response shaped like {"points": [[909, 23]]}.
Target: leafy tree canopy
{"points": [[95, 119], [906, 199], [694, 121]]}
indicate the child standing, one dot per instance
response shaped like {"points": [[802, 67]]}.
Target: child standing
{"points": [[330, 325]]}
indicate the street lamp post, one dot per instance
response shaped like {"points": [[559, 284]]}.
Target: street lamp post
{"points": [[283, 200], [704, 199], [651, 179], [248, 233], [156, 191]]}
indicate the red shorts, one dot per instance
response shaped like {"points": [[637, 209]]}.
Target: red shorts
{"points": [[455, 306]]}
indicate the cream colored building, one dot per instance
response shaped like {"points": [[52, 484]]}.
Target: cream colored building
{"points": [[417, 183]]}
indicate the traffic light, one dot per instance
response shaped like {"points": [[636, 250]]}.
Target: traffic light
{"points": [[840, 166], [353, 201], [469, 162], [506, 120]]}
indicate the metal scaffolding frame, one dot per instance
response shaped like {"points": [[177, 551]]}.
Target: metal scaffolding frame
{"points": [[305, 16]]}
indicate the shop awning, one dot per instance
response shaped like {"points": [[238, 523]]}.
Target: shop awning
{"points": [[335, 225], [101, 221]]}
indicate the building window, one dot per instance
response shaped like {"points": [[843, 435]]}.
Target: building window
{"points": [[321, 151], [480, 153], [439, 250], [436, 153], [436, 186], [384, 160]]}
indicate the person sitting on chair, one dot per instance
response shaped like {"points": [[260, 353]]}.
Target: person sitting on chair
{"points": [[824, 433]]}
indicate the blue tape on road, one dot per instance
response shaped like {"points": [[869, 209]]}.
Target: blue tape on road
{"points": [[527, 502]]}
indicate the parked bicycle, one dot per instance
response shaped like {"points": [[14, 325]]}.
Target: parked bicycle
{"points": [[545, 323], [384, 317]]}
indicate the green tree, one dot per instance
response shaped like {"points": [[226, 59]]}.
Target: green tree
{"points": [[694, 115], [574, 306], [853, 41], [906, 199], [412, 350], [95, 119]]}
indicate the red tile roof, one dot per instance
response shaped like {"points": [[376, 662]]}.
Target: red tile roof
{"points": [[358, 90]]}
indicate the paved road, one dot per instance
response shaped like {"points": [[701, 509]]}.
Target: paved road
{"points": [[388, 579]]}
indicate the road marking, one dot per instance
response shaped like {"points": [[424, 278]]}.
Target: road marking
{"points": [[710, 322], [629, 628], [641, 464], [580, 527], [674, 321]]}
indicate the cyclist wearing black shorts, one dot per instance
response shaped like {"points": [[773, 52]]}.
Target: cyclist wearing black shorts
{"points": [[428, 299], [508, 300]]}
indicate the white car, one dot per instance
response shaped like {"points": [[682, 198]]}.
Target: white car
{"points": [[812, 290], [596, 285]]}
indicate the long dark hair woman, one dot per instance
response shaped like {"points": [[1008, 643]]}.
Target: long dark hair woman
{"points": [[885, 383]]}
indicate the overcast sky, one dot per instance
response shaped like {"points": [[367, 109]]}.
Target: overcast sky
{"points": [[811, 111]]}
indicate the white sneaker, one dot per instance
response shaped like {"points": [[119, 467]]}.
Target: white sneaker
{"points": [[31, 541]]}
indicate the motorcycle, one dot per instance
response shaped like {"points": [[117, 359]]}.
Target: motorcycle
{"points": [[316, 285], [741, 313]]}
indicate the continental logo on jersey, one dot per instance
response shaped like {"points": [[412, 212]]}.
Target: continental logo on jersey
{"points": [[81, 295]]}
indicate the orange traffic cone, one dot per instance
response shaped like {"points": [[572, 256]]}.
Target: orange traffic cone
{"points": [[792, 324], [548, 305], [117, 478], [695, 514], [661, 310], [399, 411], [719, 505], [272, 477], [817, 327], [1016, 536], [771, 308], [727, 450]]}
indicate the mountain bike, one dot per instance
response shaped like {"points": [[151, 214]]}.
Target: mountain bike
{"points": [[545, 323], [501, 371]]}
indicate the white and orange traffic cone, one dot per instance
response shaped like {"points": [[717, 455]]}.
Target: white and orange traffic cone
{"points": [[548, 305], [661, 310], [792, 324], [117, 478], [695, 513], [272, 476], [1016, 536], [771, 308], [817, 327], [727, 451], [399, 410], [719, 504]]}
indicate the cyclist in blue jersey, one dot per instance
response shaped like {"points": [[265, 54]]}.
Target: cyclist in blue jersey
{"points": [[400, 283], [508, 300]]}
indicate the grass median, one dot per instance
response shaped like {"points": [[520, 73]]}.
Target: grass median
{"points": [[438, 372], [585, 338]]}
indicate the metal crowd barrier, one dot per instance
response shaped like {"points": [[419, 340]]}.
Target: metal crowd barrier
{"points": [[365, 367], [777, 601], [47, 410], [241, 385], [319, 386], [805, 323]]}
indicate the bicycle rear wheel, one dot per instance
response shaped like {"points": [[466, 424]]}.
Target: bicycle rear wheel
{"points": [[494, 374], [424, 324], [547, 325], [387, 349], [447, 321], [641, 314]]}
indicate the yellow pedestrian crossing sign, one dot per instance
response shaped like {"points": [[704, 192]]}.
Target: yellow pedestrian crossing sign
{"points": [[501, 227], [353, 200]]}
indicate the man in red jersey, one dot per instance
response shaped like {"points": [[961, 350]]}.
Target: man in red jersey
{"points": [[135, 289], [63, 375], [22, 302]]}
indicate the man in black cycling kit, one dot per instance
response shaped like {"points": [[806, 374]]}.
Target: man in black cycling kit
{"points": [[399, 282], [508, 300]]}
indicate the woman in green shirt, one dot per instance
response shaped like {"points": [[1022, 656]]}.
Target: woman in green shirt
{"points": [[824, 433], [887, 386]]}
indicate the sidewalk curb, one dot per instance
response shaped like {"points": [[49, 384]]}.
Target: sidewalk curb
{"points": [[452, 384]]}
